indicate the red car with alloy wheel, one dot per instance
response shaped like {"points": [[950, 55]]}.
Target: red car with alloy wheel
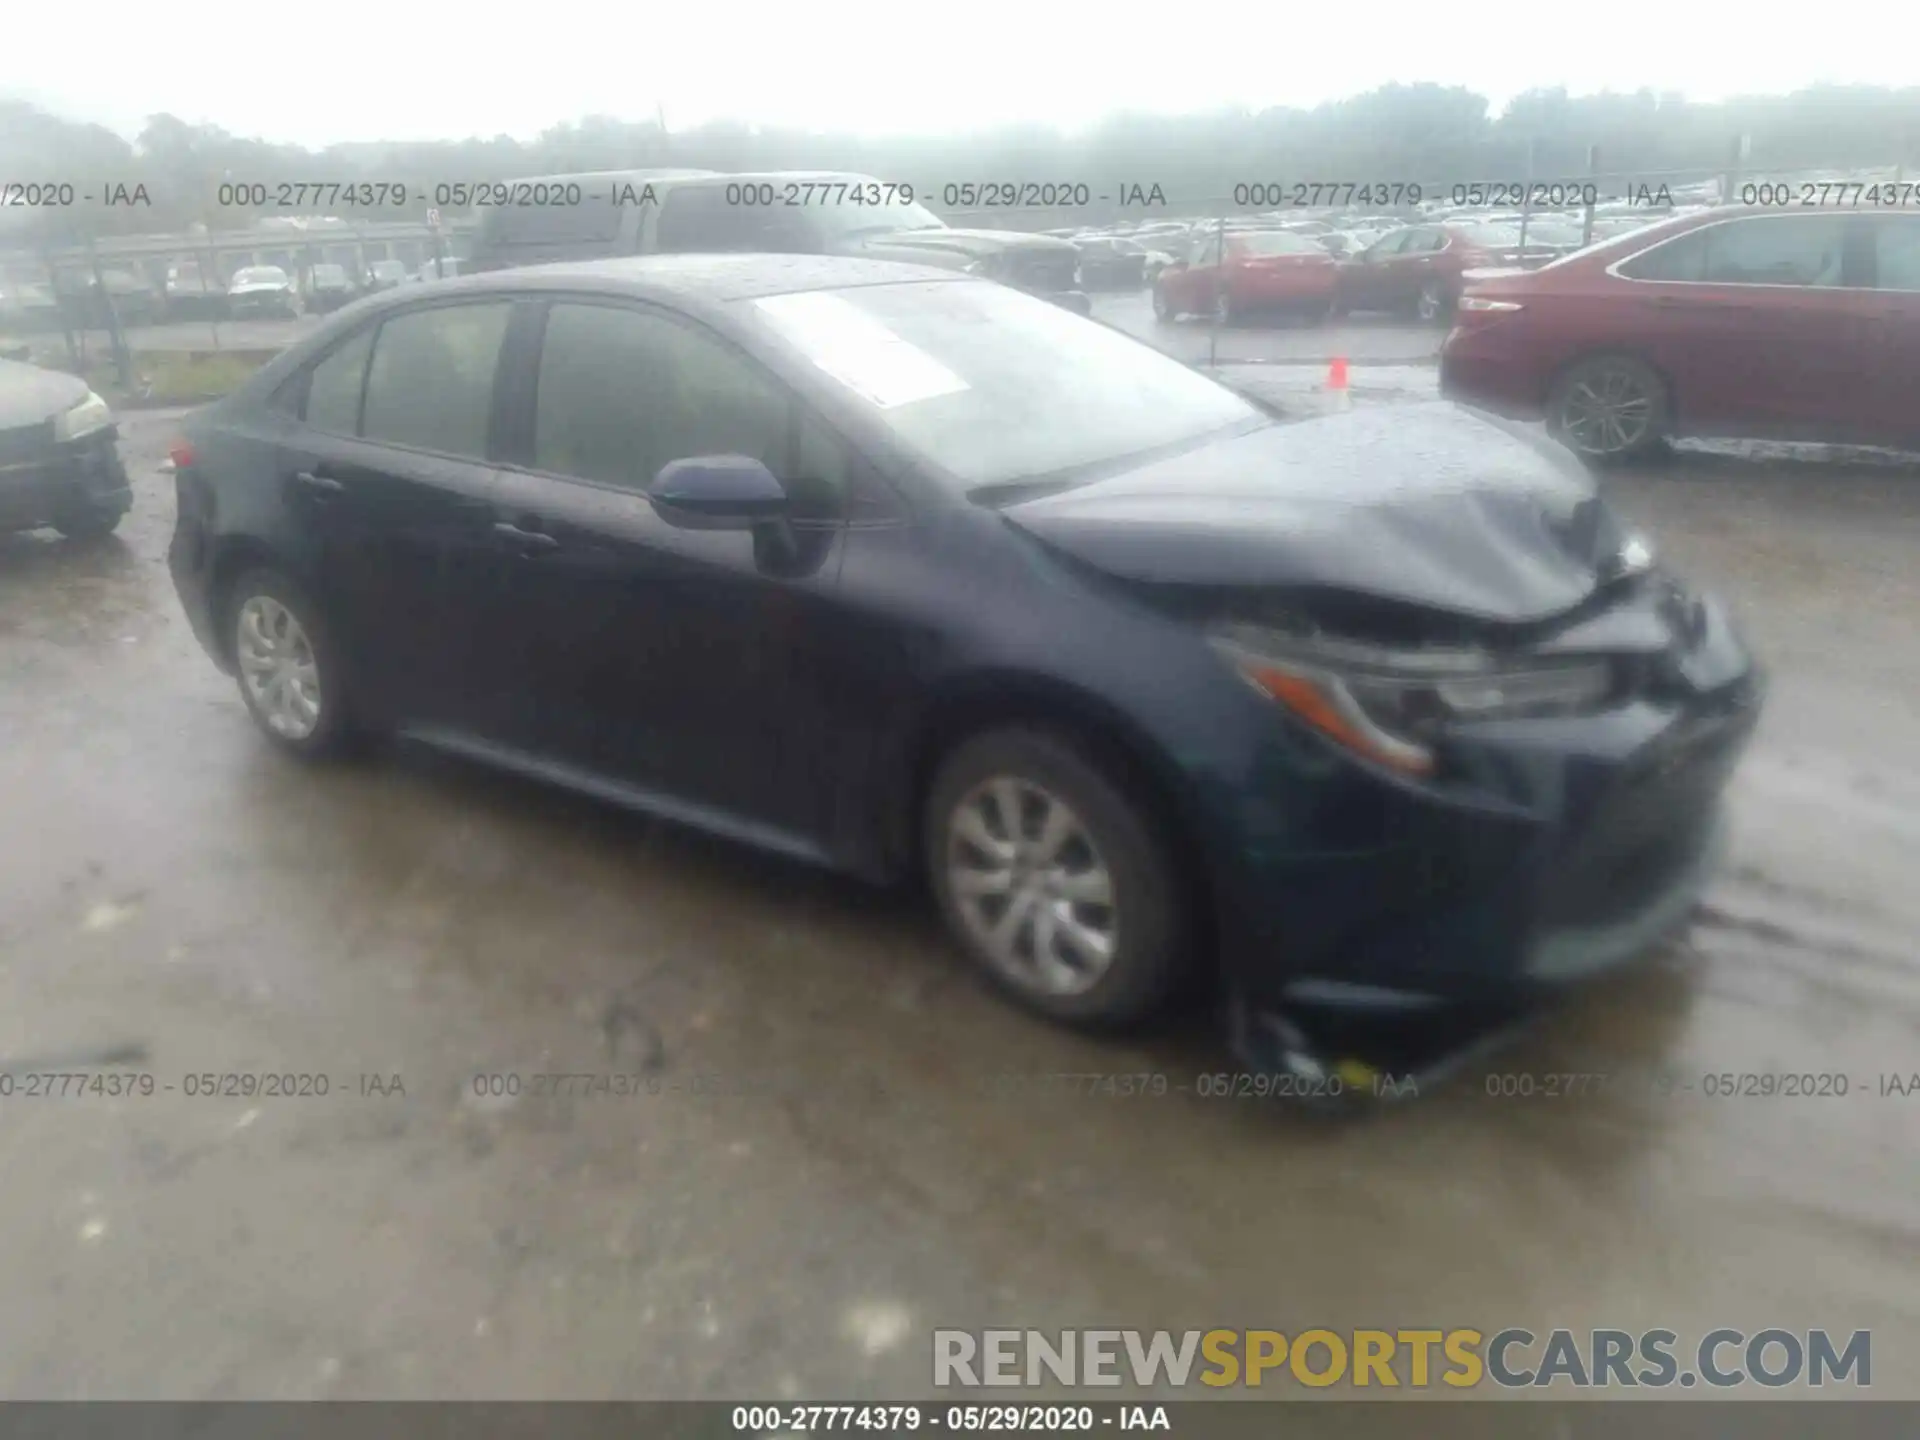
{"points": [[1795, 324], [1420, 270], [1258, 270]]}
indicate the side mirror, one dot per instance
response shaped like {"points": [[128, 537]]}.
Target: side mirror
{"points": [[717, 492]]}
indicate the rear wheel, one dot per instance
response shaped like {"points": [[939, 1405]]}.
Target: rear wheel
{"points": [[291, 675], [1225, 311], [1054, 879], [1609, 409], [1434, 304]]}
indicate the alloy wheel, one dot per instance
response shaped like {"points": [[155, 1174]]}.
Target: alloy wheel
{"points": [[278, 668], [1032, 887], [1607, 412], [1432, 301]]}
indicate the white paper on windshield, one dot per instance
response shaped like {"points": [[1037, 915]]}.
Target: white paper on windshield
{"points": [[859, 351]]}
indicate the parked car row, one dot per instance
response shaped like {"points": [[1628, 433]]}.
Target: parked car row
{"points": [[1418, 270]]}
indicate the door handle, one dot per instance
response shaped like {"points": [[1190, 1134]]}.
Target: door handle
{"points": [[526, 541], [315, 481]]}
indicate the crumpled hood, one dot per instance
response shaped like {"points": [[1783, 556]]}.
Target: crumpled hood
{"points": [[1432, 505], [30, 395]]}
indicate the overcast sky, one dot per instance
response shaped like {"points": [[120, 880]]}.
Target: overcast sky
{"points": [[358, 70]]}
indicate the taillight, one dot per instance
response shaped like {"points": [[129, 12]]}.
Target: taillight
{"points": [[181, 454]]}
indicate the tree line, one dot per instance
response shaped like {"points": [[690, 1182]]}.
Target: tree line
{"points": [[173, 173]]}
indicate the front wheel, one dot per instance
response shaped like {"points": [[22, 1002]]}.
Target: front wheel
{"points": [[1055, 879], [1163, 308], [1609, 409], [1434, 304], [290, 672]]}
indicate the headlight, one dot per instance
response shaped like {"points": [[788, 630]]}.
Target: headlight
{"points": [[1388, 706], [89, 415]]}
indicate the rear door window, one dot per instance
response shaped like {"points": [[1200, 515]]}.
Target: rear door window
{"points": [[333, 390], [1682, 258], [1799, 250], [1789, 250], [430, 385]]}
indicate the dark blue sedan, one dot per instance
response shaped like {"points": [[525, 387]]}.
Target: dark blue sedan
{"points": [[1380, 727]]}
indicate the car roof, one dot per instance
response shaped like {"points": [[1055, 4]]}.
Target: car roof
{"points": [[695, 279]]}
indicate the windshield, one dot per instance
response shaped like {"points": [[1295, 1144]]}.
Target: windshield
{"points": [[260, 275], [1273, 242], [991, 385], [1492, 237]]}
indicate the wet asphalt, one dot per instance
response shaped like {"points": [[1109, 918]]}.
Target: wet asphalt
{"points": [[851, 1142]]}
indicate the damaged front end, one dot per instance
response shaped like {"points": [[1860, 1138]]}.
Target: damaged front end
{"points": [[1524, 809], [1483, 738]]}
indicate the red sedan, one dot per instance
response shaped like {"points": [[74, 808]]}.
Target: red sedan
{"points": [[1799, 324], [1260, 270], [1419, 269]]}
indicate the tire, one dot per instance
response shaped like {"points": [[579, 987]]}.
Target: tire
{"points": [[1609, 409], [332, 730], [1433, 305], [1163, 308], [90, 519], [1225, 312], [1109, 834]]}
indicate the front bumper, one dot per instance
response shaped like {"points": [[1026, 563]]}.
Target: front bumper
{"points": [[38, 489], [1560, 850]]}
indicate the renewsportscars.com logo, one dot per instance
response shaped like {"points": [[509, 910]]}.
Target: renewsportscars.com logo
{"points": [[1415, 1359]]}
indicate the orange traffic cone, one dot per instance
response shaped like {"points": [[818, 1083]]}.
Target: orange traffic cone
{"points": [[1338, 396]]}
